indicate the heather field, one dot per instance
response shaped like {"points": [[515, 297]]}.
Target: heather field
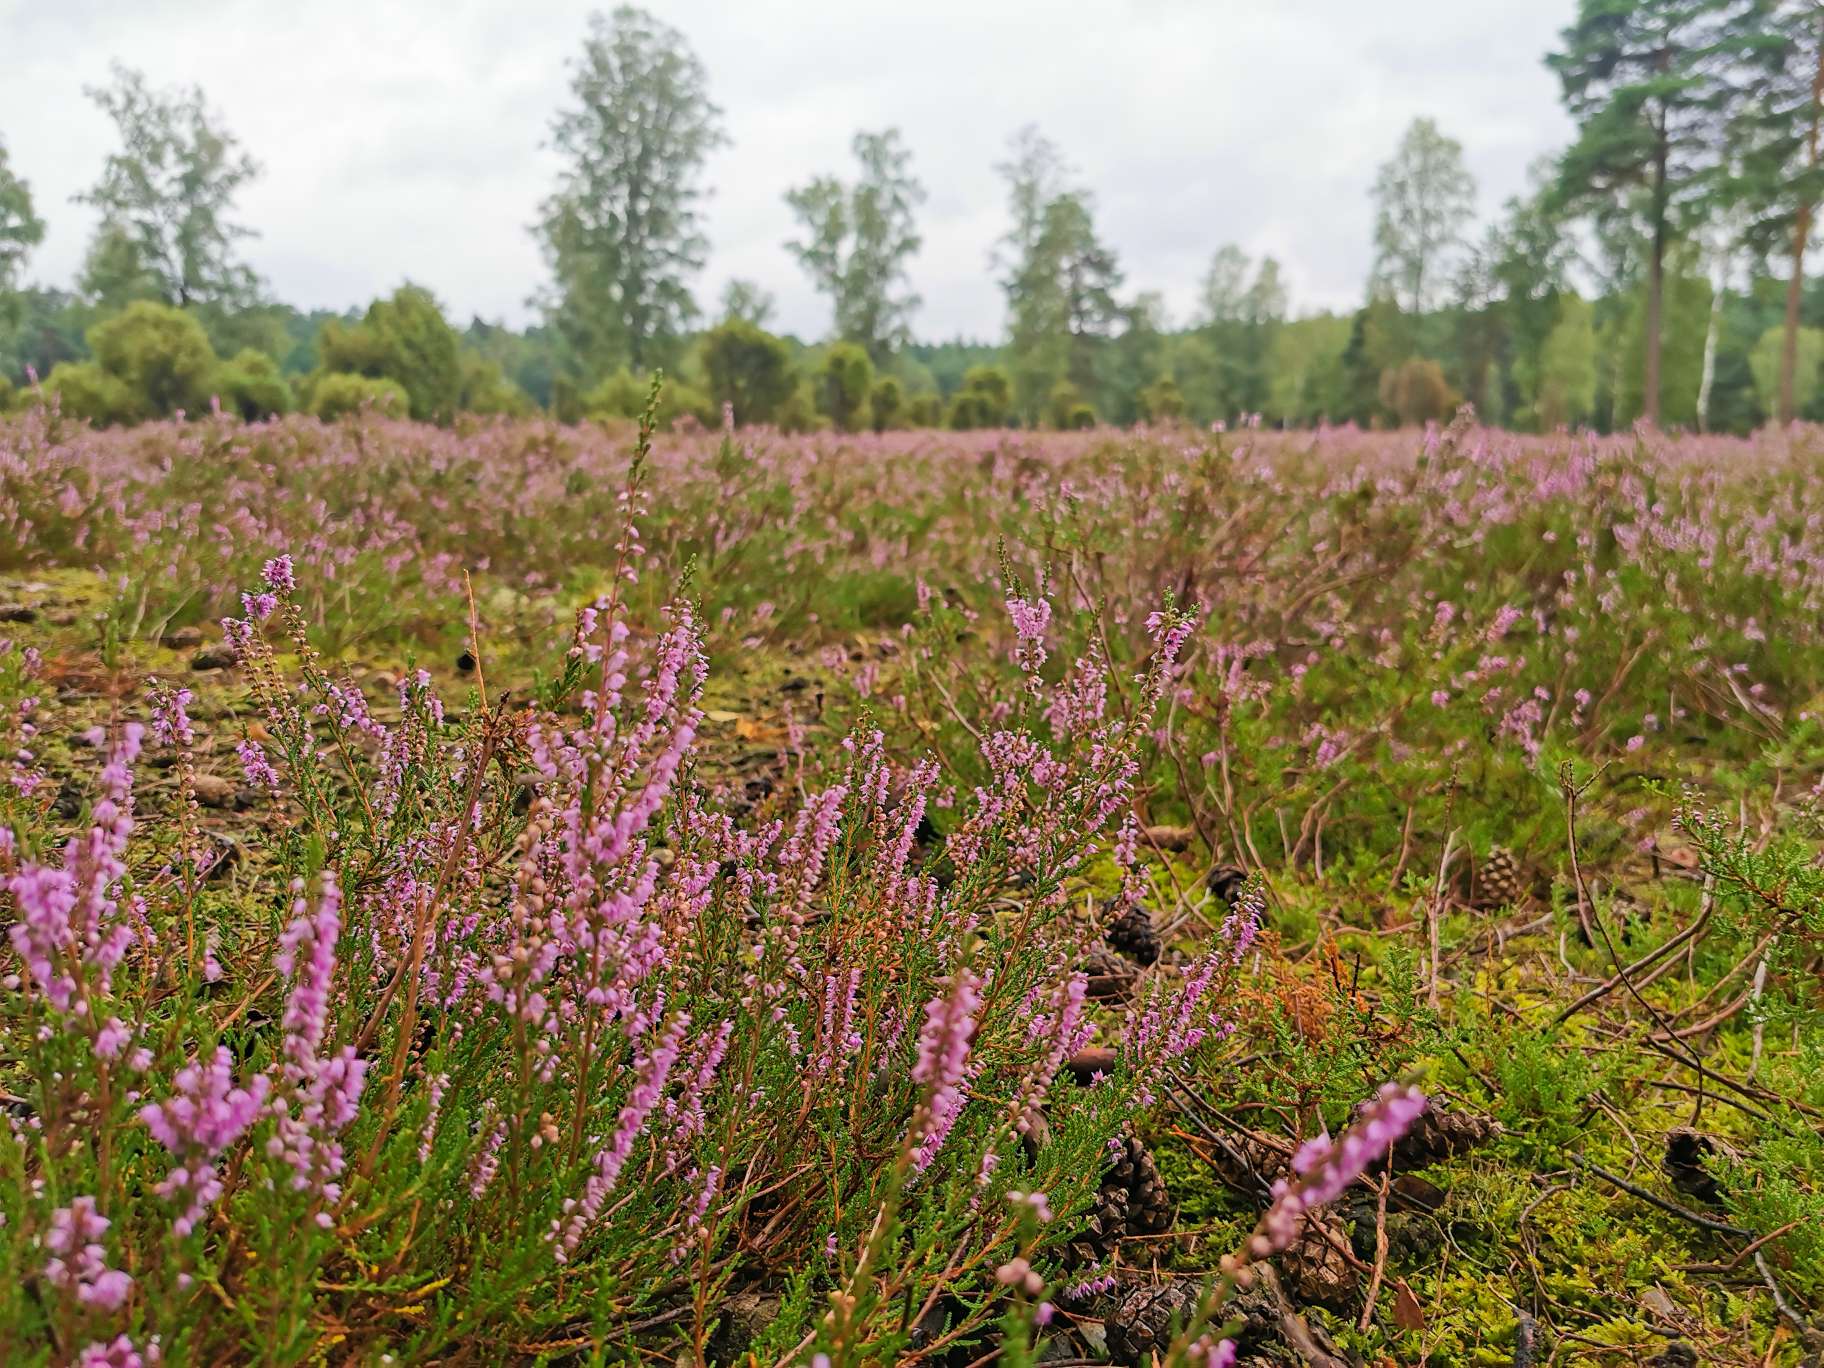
{"points": [[527, 893]]}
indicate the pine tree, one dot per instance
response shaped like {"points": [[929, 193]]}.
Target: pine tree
{"points": [[1653, 86], [1779, 178]]}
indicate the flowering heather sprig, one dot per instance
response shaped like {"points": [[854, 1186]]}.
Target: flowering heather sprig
{"points": [[79, 1261], [318, 1094], [943, 1059], [120, 1352], [1030, 619], [71, 932], [208, 1114], [171, 715], [1323, 1168], [255, 765], [650, 1073], [1061, 1031]]}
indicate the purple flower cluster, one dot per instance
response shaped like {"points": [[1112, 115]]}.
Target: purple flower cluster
{"points": [[318, 1093], [79, 1261], [943, 1061], [71, 932], [1323, 1168], [208, 1114]]}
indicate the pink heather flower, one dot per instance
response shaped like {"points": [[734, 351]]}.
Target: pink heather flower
{"points": [[1211, 1353], [650, 1073], [259, 607], [79, 1261], [1020, 1274], [943, 1057], [1039, 1203], [120, 1353], [170, 716], [319, 1093], [207, 1115], [278, 576], [1030, 618], [1505, 617], [1324, 1168], [256, 766], [71, 931]]}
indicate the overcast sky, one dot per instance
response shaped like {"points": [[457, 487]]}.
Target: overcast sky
{"points": [[406, 140]]}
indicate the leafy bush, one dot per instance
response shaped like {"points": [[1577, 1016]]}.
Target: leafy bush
{"points": [[623, 395], [749, 369], [84, 390], [338, 395], [886, 403], [160, 355], [404, 339], [250, 385], [843, 381]]}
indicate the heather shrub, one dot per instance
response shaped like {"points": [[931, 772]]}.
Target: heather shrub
{"points": [[539, 1054]]}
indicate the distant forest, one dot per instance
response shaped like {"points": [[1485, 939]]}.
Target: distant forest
{"points": [[1654, 270]]}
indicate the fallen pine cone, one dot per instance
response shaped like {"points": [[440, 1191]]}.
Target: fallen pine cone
{"points": [[1315, 1267], [1226, 882], [1686, 1162], [1498, 881], [1111, 978], [1131, 934], [1131, 1199], [1141, 1322]]}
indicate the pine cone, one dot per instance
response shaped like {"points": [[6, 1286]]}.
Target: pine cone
{"points": [[1141, 1322], [1687, 1151], [1247, 1164], [1226, 882], [1111, 978], [1314, 1268], [1132, 935], [1440, 1132], [1131, 1200], [1103, 1228], [1498, 882]]}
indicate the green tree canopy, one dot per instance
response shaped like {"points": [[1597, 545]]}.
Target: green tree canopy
{"points": [[165, 198], [1653, 85], [1423, 198], [405, 339], [621, 232], [857, 238]]}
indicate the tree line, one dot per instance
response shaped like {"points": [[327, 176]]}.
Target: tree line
{"points": [[1653, 270]]}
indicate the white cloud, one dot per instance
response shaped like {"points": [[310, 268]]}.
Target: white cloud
{"points": [[406, 139]]}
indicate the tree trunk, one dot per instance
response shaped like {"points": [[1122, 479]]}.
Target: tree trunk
{"points": [[1649, 400], [1716, 312], [1795, 285]]}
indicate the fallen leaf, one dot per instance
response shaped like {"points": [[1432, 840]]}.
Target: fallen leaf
{"points": [[1407, 1314]]}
